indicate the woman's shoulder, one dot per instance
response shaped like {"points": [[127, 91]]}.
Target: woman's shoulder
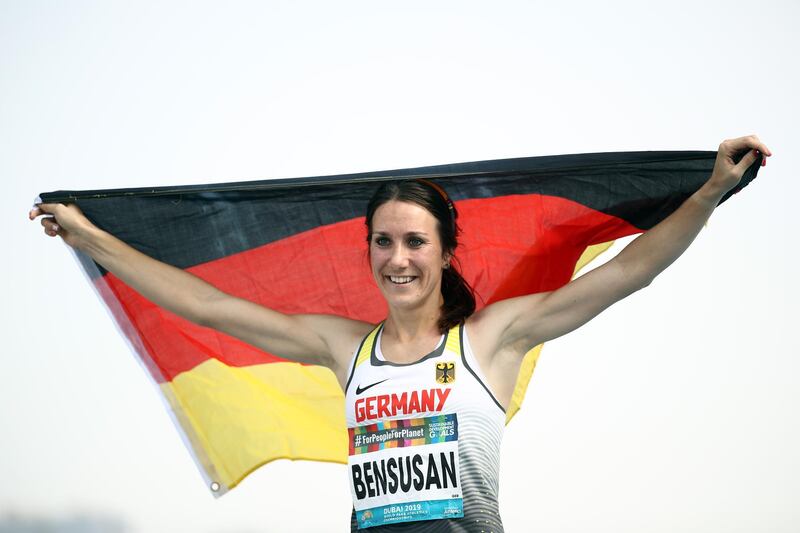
{"points": [[496, 317], [337, 329], [494, 328], [342, 336]]}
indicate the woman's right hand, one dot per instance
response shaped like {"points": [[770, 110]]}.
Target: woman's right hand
{"points": [[66, 221]]}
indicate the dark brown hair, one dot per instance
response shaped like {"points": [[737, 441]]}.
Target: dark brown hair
{"points": [[459, 300]]}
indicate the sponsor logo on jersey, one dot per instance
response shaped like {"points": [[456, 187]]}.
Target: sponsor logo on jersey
{"points": [[404, 404], [445, 372], [361, 389]]}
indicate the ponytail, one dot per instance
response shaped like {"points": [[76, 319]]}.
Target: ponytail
{"points": [[459, 300]]}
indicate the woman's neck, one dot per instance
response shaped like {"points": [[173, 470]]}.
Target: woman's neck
{"points": [[407, 325], [405, 329], [406, 337]]}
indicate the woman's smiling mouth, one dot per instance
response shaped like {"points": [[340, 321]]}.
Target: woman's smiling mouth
{"points": [[400, 280]]}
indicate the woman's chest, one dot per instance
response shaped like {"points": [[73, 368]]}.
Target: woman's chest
{"points": [[438, 386]]}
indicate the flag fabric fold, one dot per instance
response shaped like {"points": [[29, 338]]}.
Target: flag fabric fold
{"points": [[299, 246]]}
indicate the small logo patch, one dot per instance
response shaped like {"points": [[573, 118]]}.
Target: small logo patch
{"points": [[360, 389], [445, 372]]}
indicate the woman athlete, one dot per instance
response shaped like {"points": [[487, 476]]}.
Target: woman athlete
{"points": [[426, 390]]}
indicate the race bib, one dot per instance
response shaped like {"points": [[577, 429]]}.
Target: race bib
{"points": [[405, 470]]}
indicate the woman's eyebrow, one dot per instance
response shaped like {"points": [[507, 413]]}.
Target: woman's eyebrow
{"points": [[406, 234]]}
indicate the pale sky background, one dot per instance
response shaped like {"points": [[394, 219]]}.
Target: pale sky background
{"points": [[676, 410]]}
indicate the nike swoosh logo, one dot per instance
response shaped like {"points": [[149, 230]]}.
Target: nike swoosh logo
{"points": [[359, 390]]}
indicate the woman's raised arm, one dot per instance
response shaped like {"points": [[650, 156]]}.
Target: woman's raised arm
{"points": [[317, 339], [512, 327]]}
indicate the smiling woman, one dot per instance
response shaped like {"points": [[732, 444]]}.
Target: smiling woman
{"points": [[426, 389], [425, 445], [413, 225]]}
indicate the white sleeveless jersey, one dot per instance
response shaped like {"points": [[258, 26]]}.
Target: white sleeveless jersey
{"points": [[424, 440]]}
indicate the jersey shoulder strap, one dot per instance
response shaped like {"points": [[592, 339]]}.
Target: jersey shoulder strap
{"points": [[453, 342], [363, 352]]}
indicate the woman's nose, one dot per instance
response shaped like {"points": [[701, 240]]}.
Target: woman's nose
{"points": [[399, 256]]}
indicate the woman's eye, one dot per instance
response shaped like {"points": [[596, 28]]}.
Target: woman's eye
{"points": [[381, 241], [415, 243]]}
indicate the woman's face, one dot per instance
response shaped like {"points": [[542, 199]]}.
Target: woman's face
{"points": [[406, 254]]}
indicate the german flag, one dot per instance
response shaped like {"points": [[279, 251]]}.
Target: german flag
{"points": [[299, 246]]}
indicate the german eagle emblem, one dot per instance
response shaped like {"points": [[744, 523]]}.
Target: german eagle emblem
{"points": [[445, 372]]}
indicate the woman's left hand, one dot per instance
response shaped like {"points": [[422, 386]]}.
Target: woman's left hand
{"points": [[727, 174]]}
